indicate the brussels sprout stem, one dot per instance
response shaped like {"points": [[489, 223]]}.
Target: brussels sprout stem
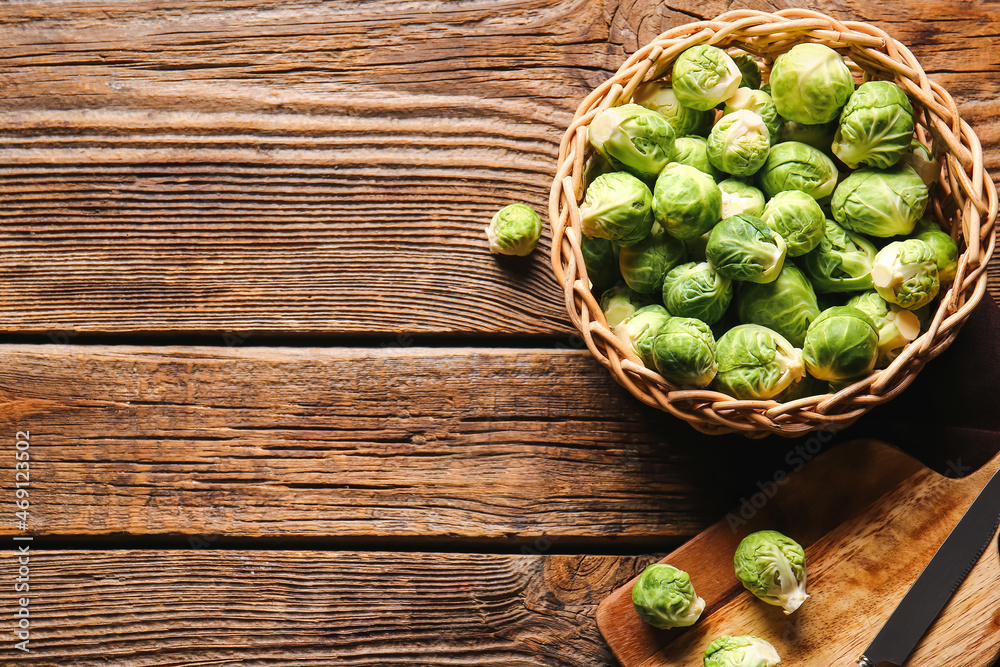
{"points": [[793, 593]]}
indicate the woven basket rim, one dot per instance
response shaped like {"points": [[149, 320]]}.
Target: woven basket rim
{"points": [[965, 190]]}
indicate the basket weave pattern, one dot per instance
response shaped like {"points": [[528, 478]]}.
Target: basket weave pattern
{"points": [[964, 201]]}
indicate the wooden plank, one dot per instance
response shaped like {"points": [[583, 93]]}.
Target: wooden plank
{"points": [[318, 167], [347, 444], [295, 608]]}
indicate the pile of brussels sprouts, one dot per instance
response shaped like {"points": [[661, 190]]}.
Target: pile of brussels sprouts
{"points": [[768, 241], [769, 564]]}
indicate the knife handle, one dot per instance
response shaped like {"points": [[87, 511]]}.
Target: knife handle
{"points": [[865, 662]]}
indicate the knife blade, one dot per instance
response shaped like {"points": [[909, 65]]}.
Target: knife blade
{"points": [[942, 576]]}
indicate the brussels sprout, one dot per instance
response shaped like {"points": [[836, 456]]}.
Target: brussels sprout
{"points": [[896, 326], [514, 230], [644, 265], [664, 597], [619, 303], [749, 69], [639, 330], [905, 273], [759, 103], [618, 207], [738, 197], [696, 290], [601, 259], [923, 162], [841, 344], [880, 202], [695, 248], [925, 224], [772, 566], [810, 84], [693, 151], [756, 362], [876, 126], [798, 218], [739, 143], [684, 352], [786, 305], [743, 247], [633, 138], [686, 201], [842, 262], [818, 136], [945, 250], [596, 166], [659, 96], [792, 165], [704, 76], [742, 651]]}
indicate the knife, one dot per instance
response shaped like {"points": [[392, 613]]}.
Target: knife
{"points": [[949, 567]]}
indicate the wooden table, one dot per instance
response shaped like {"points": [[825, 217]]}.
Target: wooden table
{"points": [[283, 406]]}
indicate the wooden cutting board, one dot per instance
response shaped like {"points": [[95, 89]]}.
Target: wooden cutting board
{"points": [[869, 518]]}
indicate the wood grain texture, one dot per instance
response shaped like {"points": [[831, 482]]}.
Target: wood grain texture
{"points": [[315, 167], [358, 444], [296, 608], [869, 518]]}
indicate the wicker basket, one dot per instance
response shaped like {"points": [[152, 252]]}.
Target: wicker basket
{"points": [[965, 202]]}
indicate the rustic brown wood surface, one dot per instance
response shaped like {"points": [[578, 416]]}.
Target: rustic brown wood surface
{"points": [[868, 533], [297, 608], [253, 176], [348, 443]]}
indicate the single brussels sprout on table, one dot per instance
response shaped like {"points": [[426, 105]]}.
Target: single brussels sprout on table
{"points": [[876, 126], [810, 83], [684, 352], [798, 218], [686, 201], [905, 273], [786, 305], [756, 363], [644, 265], [617, 207], [760, 103], [693, 151], [600, 256], [514, 230], [945, 250], [842, 262], [660, 97], [639, 330], [619, 303], [818, 136], [896, 326], [664, 597], [879, 202], [742, 651], [749, 69], [634, 139], [704, 76], [841, 344], [696, 290], [739, 143], [792, 165], [923, 162], [743, 247], [772, 566], [738, 197]]}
